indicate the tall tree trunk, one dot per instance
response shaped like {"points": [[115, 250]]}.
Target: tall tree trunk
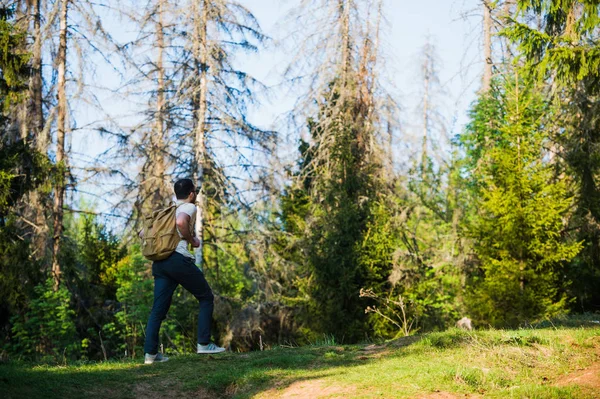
{"points": [[344, 10], [22, 22], [159, 167], [61, 159], [17, 129], [487, 46], [35, 84], [35, 124], [427, 70], [390, 146], [153, 191], [367, 75], [201, 125]]}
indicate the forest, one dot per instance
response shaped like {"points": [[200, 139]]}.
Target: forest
{"points": [[363, 232]]}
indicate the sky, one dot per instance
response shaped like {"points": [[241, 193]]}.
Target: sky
{"points": [[452, 26], [409, 25]]}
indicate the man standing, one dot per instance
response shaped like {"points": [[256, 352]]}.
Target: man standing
{"points": [[179, 268]]}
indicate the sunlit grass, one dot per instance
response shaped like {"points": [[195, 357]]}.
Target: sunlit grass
{"points": [[495, 363]]}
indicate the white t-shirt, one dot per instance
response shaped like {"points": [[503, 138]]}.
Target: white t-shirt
{"points": [[190, 210]]}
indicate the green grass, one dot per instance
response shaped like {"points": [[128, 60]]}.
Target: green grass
{"points": [[495, 364]]}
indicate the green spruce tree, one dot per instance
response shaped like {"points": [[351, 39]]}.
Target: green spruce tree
{"points": [[563, 50], [519, 227], [22, 169]]}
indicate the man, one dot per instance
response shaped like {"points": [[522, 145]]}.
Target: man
{"points": [[179, 268]]}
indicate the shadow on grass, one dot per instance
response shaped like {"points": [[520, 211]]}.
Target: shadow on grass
{"points": [[109, 379], [581, 320]]}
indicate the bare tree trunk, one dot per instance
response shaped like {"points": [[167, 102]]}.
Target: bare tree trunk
{"points": [[153, 188], [35, 85], [487, 46], [36, 128], [22, 22], [368, 76], [159, 137], [426, 83], [61, 159], [344, 10], [201, 56], [362, 100], [390, 146], [30, 209]]}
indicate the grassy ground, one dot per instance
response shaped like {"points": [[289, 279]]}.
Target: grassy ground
{"points": [[543, 363]]}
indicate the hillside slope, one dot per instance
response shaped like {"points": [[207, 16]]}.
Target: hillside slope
{"points": [[543, 363]]}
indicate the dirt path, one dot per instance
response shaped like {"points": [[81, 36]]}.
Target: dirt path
{"points": [[314, 389], [588, 378]]}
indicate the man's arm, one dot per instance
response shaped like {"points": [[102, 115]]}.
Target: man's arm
{"points": [[183, 223]]}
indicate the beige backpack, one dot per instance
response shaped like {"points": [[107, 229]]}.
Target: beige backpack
{"points": [[160, 236]]}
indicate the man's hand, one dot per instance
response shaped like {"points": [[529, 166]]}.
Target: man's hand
{"points": [[195, 242]]}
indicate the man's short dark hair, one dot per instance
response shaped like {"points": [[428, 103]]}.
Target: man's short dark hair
{"points": [[183, 188]]}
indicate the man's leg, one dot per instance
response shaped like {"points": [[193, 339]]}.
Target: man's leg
{"points": [[163, 292], [192, 279]]}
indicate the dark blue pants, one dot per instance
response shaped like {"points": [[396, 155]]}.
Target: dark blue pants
{"points": [[168, 274]]}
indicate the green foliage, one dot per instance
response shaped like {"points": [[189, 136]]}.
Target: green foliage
{"points": [[89, 255], [378, 245], [135, 295], [19, 273], [97, 251], [518, 230], [13, 62], [567, 50], [568, 46], [425, 248], [290, 232], [47, 328], [225, 258], [347, 230], [330, 222], [22, 169], [435, 299], [436, 246], [341, 212]]}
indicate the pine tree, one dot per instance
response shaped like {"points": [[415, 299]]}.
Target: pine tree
{"points": [[331, 206], [563, 50], [518, 230], [22, 169]]}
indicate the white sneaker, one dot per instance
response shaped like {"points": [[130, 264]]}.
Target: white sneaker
{"points": [[158, 358], [210, 348]]}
